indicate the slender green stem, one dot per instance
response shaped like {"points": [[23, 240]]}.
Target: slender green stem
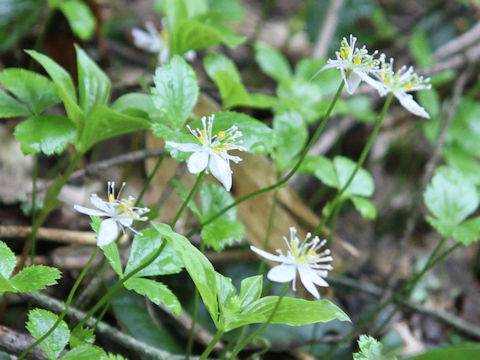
{"points": [[269, 229], [65, 309], [286, 177], [150, 178], [212, 344], [407, 287], [33, 238], [118, 286], [196, 299], [187, 200], [257, 332], [360, 162]]}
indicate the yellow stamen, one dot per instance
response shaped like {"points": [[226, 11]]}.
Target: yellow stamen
{"points": [[408, 87], [218, 149], [202, 140], [111, 197], [357, 60], [303, 260], [221, 135], [312, 253]]}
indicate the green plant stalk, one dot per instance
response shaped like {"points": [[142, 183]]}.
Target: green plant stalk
{"points": [[269, 229], [150, 178], [257, 332], [118, 286], [187, 200], [392, 298], [50, 203], [397, 306], [360, 162], [212, 344], [65, 309], [286, 177]]}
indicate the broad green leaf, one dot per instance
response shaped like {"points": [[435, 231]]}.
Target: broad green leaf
{"points": [[5, 285], [225, 288], [34, 90], [10, 107], [113, 256], [133, 316], [93, 84], [463, 351], [174, 11], [64, 84], [104, 123], [39, 322], [290, 136], [199, 268], [49, 134], [468, 231], [143, 246], [464, 130], [251, 290], [85, 352], [224, 230], [17, 18], [227, 11], [327, 82], [420, 48], [365, 207], [137, 104], [8, 262], [79, 17], [291, 311], [195, 34], [272, 62], [35, 277], [370, 349], [175, 92], [323, 166], [81, 336], [450, 198], [362, 184], [462, 161], [430, 100], [157, 292], [256, 136]]}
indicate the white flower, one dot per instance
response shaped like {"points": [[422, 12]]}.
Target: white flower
{"points": [[120, 213], [311, 266], [354, 64], [399, 83], [156, 42], [212, 153]]}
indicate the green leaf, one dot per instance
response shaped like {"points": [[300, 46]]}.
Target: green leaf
{"points": [[143, 246], [183, 194], [321, 165], [160, 130], [10, 107], [370, 349], [8, 263], [85, 352], [81, 336], [104, 123], [34, 90], [49, 134], [468, 231], [157, 292], [5, 285], [463, 351], [365, 207], [362, 184], [199, 268], [272, 62], [464, 130], [113, 256], [227, 11], [290, 134], [175, 92], [137, 104], [224, 230], [450, 197], [80, 18], [93, 84], [291, 311], [256, 136], [35, 277], [195, 34], [251, 290], [64, 84], [420, 48], [39, 322]]}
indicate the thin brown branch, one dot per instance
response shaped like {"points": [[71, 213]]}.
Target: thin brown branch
{"points": [[14, 343], [330, 21], [459, 43]]}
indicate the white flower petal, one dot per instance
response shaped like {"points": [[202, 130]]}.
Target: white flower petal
{"points": [[325, 67], [352, 82], [220, 168], [377, 85], [100, 204], [411, 105], [282, 273], [91, 212], [188, 147], [107, 233], [306, 279], [198, 161], [266, 255], [125, 221]]}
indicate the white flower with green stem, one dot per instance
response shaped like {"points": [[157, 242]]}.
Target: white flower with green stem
{"points": [[304, 258], [211, 154], [354, 64], [120, 213], [400, 83]]}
